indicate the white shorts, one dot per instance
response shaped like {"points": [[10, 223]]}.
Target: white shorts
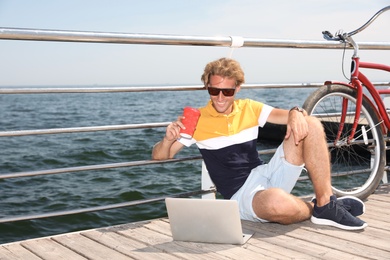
{"points": [[278, 173]]}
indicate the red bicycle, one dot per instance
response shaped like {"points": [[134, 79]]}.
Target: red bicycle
{"points": [[355, 123]]}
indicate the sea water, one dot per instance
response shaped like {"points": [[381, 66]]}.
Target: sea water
{"points": [[43, 194]]}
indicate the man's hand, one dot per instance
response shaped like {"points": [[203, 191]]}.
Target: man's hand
{"points": [[168, 147], [173, 130], [296, 126]]}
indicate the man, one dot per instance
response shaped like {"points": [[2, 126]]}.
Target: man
{"points": [[226, 136]]}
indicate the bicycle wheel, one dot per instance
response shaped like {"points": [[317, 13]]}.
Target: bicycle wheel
{"points": [[358, 166]]}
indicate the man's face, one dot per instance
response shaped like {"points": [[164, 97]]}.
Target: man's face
{"points": [[222, 103]]}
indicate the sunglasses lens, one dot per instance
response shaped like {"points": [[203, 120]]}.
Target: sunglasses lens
{"points": [[228, 92], [225, 91], [213, 91]]}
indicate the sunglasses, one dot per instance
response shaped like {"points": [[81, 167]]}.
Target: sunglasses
{"points": [[227, 92]]}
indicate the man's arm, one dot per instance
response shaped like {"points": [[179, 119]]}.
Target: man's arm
{"points": [[168, 147], [295, 121]]}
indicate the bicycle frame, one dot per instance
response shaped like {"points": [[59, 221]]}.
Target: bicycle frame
{"points": [[358, 82]]}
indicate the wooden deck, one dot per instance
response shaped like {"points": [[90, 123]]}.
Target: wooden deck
{"points": [[152, 240]]}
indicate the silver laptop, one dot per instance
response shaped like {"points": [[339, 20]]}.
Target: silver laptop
{"points": [[206, 220]]}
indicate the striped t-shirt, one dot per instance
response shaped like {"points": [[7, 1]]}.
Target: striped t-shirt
{"points": [[228, 142]]}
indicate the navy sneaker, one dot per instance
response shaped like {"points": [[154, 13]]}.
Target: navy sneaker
{"points": [[334, 214], [352, 204]]}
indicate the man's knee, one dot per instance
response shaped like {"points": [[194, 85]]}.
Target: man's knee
{"points": [[315, 125], [275, 205]]}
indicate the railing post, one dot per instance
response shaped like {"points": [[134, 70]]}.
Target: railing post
{"points": [[207, 183]]}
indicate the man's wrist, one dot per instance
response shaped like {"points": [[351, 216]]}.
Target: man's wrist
{"points": [[299, 109], [166, 140]]}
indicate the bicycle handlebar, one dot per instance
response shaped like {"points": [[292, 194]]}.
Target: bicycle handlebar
{"points": [[343, 36]]}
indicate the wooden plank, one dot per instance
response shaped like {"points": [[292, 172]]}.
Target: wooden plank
{"points": [[274, 251], [374, 223], [232, 251], [380, 198], [225, 251], [384, 198], [375, 215], [220, 250], [16, 251], [126, 245], [49, 249], [88, 248], [163, 226], [370, 239], [378, 207], [283, 238], [164, 242], [364, 242], [370, 215]]}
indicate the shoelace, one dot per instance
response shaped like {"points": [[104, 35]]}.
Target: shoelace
{"points": [[336, 203], [341, 203], [339, 206]]}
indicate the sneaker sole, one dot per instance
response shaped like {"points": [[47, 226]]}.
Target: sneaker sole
{"points": [[327, 222]]}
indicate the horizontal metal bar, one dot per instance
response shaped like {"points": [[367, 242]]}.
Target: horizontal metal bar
{"points": [[94, 167], [272, 43], [81, 129], [16, 90], [110, 37], [107, 166], [101, 208], [159, 39]]}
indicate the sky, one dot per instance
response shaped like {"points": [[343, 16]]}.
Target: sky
{"points": [[36, 63]]}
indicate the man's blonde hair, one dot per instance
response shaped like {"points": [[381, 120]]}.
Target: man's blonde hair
{"points": [[223, 67]]}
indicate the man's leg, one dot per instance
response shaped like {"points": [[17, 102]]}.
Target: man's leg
{"points": [[313, 152], [276, 205]]}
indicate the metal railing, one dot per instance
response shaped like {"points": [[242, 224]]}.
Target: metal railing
{"points": [[160, 39], [128, 38]]}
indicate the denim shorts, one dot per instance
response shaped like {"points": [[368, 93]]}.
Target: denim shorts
{"points": [[278, 173]]}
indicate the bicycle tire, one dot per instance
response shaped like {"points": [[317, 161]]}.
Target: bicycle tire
{"points": [[357, 167]]}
